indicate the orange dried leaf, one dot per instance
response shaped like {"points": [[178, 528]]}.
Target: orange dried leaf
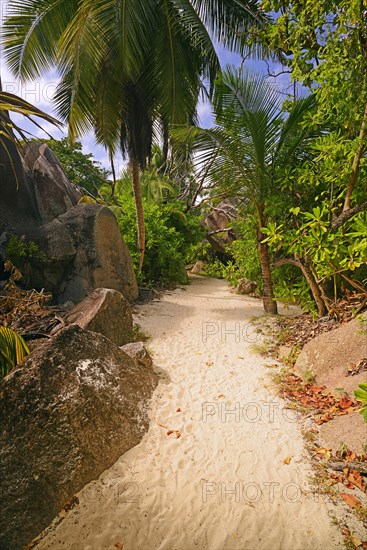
{"points": [[350, 500], [357, 480]]}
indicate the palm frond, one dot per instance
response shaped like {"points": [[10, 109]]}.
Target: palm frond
{"points": [[31, 32], [13, 350]]}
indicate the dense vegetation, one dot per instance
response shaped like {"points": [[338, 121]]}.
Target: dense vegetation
{"points": [[294, 165]]}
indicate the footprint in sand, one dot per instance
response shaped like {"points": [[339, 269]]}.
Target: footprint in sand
{"points": [[246, 464]]}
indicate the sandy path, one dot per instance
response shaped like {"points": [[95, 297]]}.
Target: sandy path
{"points": [[222, 484]]}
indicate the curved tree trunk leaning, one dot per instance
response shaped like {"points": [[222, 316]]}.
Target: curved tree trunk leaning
{"points": [[316, 289]]}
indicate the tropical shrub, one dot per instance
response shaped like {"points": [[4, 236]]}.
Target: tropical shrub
{"points": [[81, 168], [170, 236]]}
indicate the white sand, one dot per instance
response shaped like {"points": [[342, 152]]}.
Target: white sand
{"points": [[222, 484]]}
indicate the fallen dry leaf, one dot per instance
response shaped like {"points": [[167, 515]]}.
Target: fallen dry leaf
{"points": [[351, 455], [176, 432], [178, 410], [118, 545], [351, 500], [357, 480], [220, 395], [337, 477], [287, 460], [323, 453]]}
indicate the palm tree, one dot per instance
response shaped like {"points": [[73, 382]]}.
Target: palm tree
{"points": [[128, 69], [251, 140]]}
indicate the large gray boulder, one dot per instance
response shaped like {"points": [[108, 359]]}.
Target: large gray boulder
{"points": [[67, 414], [43, 167], [80, 245], [107, 312], [80, 251], [218, 223], [102, 258]]}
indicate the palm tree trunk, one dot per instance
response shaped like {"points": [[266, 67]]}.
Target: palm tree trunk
{"points": [[139, 209], [269, 303]]}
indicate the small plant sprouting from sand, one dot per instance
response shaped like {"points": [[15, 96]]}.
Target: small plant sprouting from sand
{"points": [[293, 356], [261, 349], [138, 334], [309, 376], [321, 482]]}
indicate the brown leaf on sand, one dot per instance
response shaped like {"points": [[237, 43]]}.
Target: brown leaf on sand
{"points": [[287, 460], [178, 410], [345, 403], [351, 500], [176, 432], [118, 545], [336, 477], [220, 396], [357, 480], [323, 453]]}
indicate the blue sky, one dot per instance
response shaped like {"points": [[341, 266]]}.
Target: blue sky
{"points": [[41, 91]]}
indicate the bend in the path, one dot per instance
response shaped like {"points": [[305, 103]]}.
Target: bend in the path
{"points": [[210, 472]]}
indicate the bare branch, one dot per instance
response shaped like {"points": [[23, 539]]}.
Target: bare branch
{"points": [[346, 215]]}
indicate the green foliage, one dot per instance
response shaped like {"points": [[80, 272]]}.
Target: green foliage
{"points": [[333, 253], [170, 235], [19, 250], [13, 349], [155, 187], [361, 395], [215, 268], [244, 251], [290, 287], [81, 168]]}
